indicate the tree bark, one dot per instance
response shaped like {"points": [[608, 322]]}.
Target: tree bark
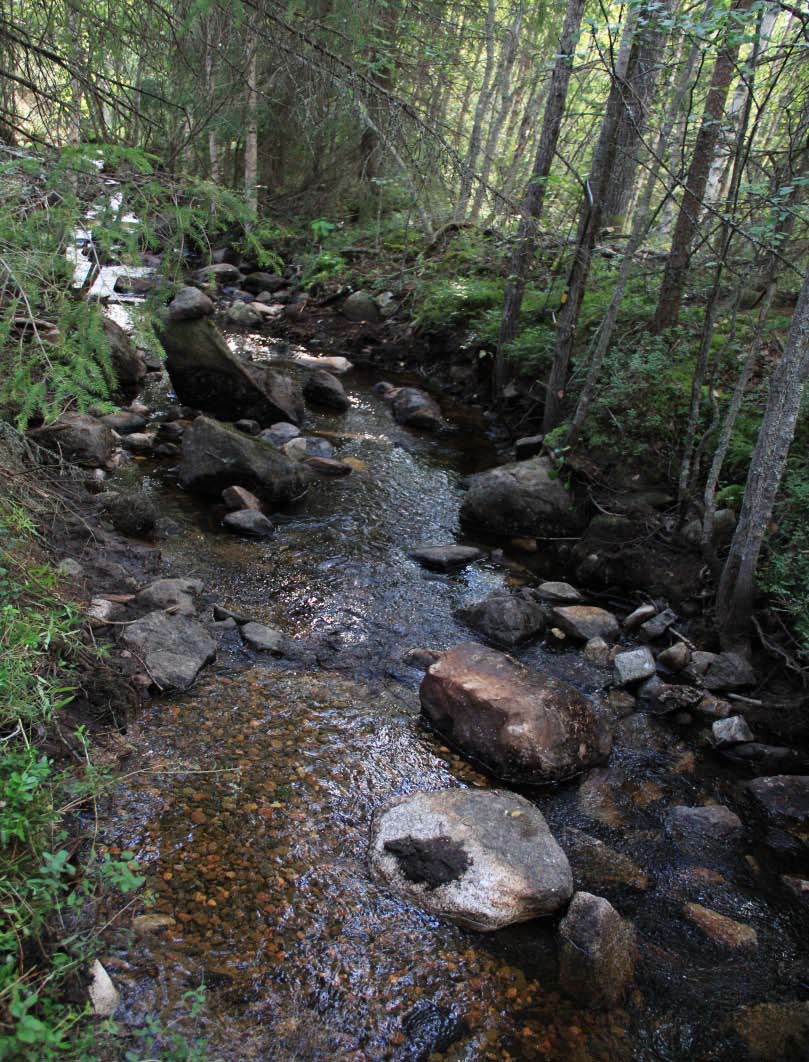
{"points": [[671, 289], [590, 219], [734, 599], [526, 239], [251, 130], [484, 96]]}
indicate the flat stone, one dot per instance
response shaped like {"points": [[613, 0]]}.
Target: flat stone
{"points": [[256, 283], [329, 466], [482, 858], [264, 638], [445, 558], [521, 724], [712, 825], [249, 522], [657, 626], [145, 924], [731, 731], [634, 666], [558, 591], [597, 952], [720, 929], [173, 649], [586, 621], [239, 498], [712, 708], [138, 442]]}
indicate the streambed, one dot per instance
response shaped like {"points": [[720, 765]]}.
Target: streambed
{"points": [[249, 798]]}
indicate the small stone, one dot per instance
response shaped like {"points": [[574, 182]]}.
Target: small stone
{"points": [[249, 427], [240, 313], [557, 591], [676, 657], [138, 442], [307, 446], [528, 446], [420, 658], [597, 652], [101, 612], [361, 306], [445, 558], [259, 636], [701, 661], [249, 522], [731, 731], [328, 466], [633, 666], [658, 625], [280, 434], [586, 622], [597, 953], [150, 923], [221, 613], [239, 498], [639, 616], [720, 929], [621, 703], [595, 864], [323, 389], [104, 996], [70, 568]]}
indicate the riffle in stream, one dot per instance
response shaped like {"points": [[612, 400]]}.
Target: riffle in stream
{"points": [[248, 803]]}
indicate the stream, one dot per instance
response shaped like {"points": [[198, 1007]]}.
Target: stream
{"points": [[248, 800]]}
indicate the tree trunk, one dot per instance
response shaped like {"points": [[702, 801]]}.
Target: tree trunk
{"points": [[526, 239], [251, 130], [590, 218], [734, 600], [467, 176], [671, 289]]}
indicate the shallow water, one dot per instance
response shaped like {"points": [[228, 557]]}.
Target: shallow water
{"points": [[253, 795]]}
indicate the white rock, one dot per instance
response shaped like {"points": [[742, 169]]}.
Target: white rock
{"points": [[104, 996], [634, 665]]}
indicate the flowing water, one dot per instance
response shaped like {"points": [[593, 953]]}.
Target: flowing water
{"points": [[248, 802]]}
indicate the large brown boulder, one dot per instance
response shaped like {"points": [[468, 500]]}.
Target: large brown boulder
{"points": [[206, 374], [519, 499], [216, 456], [524, 726]]}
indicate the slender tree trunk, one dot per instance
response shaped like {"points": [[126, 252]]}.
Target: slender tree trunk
{"points": [[712, 306], [526, 239], [251, 131], [484, 96], [590, 220], [640, 91], [502, 87], [734, 599], [213, 146], [671, 289]]}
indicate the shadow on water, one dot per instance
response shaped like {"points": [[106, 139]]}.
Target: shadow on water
{"points": [[251, 808]]}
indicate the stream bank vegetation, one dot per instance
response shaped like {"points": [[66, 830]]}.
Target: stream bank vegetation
{"points": [[599, 211]]}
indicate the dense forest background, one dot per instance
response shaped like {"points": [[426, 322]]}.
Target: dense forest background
{"points": [[600, 208]]}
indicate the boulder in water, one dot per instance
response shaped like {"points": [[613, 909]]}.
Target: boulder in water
{"points": [[506, 618], [445, 558], [323, 389], [597, 954], [415, 409], [524, 726], [207, 375], [479, 857], [214, 455], [522, 498]]}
